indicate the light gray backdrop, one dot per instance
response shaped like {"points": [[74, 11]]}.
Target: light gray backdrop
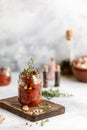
{"points": [[36, 28]]}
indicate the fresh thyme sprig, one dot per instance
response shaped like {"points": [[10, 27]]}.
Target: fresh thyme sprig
{"points": [[49, 94], [44, 121], [38, 70], [30, 64], [30, 68]]}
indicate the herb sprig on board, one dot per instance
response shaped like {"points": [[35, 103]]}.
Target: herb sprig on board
{"points": [[49, 94]]}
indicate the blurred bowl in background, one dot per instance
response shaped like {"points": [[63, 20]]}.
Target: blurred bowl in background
{"points": [[79, 68]]}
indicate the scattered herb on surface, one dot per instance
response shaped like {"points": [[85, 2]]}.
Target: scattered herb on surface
{"points": [[44, 121], [45, 108], [49, 94]]}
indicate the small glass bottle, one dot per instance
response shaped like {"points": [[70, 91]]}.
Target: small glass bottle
{"points": [[69, 38], [45, 76], [52, 68], [5, 76], [57, 76], [66, 65]]}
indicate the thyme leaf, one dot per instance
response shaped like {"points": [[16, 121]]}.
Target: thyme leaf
{"points": [[30, 64], [45, 108], [38, 69], [44, 121]]}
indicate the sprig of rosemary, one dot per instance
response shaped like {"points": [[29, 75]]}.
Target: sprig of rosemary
{"points": [[49, 94], [44, 121]]}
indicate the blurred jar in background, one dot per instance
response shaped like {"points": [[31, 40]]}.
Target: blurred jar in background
{"points": [[5, 76]]}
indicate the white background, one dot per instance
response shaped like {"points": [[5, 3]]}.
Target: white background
{"points": [[36, 28]]}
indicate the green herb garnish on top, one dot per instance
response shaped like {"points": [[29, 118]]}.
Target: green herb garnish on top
{"points": [[29, 76], [30, 67], [31, 70], [30, 64]]}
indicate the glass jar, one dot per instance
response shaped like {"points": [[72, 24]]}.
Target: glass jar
{"points": [[29, 91], [5, 76]]}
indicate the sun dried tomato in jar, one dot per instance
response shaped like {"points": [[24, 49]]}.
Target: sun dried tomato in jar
{"points": [[5, 76], [29, 91]]}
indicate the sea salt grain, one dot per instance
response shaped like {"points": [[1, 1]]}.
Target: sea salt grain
{"points": [[40, 110], [26, 123], [2, 118], [80, 60], [25, 108], [79, 65], [83, 66], [85, 59]]}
